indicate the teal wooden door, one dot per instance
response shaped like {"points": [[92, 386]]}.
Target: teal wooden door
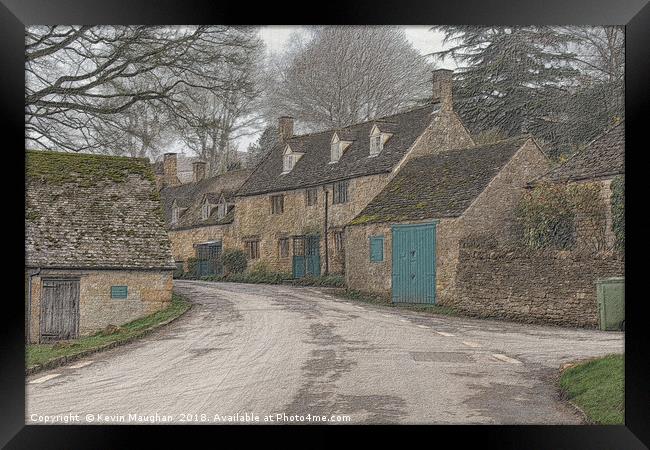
{"points": [[306, 256], [414, 263], [312, 256]]}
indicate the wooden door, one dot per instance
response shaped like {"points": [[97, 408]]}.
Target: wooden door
{"points": [[59, 309]]}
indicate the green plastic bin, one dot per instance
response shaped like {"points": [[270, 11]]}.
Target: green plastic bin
{"points": [[611, 303]]}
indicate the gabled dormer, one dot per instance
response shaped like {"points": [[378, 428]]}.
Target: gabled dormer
{"points": [[289, 159], [378, 138], [177, 211], [337, 147]]}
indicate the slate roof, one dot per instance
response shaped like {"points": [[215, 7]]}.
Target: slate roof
{"points": [[93, 211], [604, 157], [314, 169], [191, 195], [440, 185]]}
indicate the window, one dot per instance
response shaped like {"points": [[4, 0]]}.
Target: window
{"points": [[335, 150], [221, 210], [174, 215], [375, 144], [312, 196], [289, 160], [119, 291], [253, 249], [376, 248], [340, 194], [283, 247], [299, 246], [277, 204], [338, 241], [205, 211]]}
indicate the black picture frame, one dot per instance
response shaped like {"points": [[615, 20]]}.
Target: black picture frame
{"points": [[634, 14]]}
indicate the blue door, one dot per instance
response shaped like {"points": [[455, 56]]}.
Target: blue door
{"points": [[414, 263], [306, 256]]}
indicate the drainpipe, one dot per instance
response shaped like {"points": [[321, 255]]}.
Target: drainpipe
{"points": [[29, 303], [327, 267]]}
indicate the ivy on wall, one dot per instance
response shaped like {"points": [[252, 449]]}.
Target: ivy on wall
{"points": [[618, 211], [549, 213]]}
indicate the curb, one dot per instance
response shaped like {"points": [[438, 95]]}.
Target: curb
{"points": [[61, 360]]}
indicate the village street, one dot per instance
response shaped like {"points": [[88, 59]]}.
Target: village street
{"points": [[267, 350]]}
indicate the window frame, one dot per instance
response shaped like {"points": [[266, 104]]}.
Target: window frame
{"points": [[283, 244], [376, 238], [274, 208], [315, 196], [337, 190], [252, 248], [339, 241]]}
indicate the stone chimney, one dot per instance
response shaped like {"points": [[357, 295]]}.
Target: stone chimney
{"points": [[170, 177], [442, 88], [285, 127], [198, 170]]}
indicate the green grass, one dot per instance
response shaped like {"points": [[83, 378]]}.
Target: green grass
{"points": [[596, 387], [37, 354], [384, 300]]}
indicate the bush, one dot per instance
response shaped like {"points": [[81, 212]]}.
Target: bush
{"points": [[192, 264], [234, 261], [618, 211], [547, 217]]}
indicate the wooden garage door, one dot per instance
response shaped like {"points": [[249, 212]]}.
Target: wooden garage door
{"points": [[59, 309]]}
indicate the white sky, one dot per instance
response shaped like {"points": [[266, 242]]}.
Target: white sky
{"points": [[276, 38]]}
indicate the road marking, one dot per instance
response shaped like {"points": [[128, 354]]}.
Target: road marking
{"points": [[79, 365], [471, 344], [386, 315], [504, 358], [442, 333], [403, 320], [422, 326], [45, 378]]}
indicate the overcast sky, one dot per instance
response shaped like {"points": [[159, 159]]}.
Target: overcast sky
{"points": [[277, 37]]}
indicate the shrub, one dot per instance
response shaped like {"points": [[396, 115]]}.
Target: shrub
{"points": [[234, 261], [326, 280], [192, 264], [618, 211], [547, 217]]}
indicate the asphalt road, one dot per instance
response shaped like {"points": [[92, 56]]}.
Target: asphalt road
{"points": [[309, 357]]}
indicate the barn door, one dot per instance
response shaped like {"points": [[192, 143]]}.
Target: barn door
{"points": [[312, 256], [414, 263], [59, 310]]}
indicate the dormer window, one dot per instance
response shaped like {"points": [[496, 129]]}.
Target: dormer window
{"points": [[377, 140], [175, 214], [205, 210], [289, 159], [337, 147]]}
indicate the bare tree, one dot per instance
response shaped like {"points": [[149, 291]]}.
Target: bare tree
{"points": [[341, 75], [80, 78], [213, 120]]}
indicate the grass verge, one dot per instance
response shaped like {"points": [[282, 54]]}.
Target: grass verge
{"points": [[380, 300], [596, 387], [45, 356]]}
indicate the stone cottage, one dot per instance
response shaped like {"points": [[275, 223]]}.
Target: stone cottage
{"points": [[405, 242], [507, 279], [292, 210], [199, 214], [96, 249], [596, 166]]}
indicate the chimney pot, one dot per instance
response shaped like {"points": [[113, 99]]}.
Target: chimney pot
{"points": [[443, 88], [170, 177], [285, 127], [198, 170]]}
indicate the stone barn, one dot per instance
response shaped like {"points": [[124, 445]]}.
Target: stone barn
{"points": [[96, 248], [405, 243]]}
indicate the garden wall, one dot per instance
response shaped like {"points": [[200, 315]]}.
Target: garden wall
{"points": [[544, 286]]}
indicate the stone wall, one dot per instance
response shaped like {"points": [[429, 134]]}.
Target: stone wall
{"points": [[183, 241], [148, 292], [556, 287]]}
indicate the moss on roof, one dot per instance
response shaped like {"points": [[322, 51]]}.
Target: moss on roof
{"points": [[82, 168]]}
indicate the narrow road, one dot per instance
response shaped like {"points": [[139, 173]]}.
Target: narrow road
{"points": [[267, 350]]}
